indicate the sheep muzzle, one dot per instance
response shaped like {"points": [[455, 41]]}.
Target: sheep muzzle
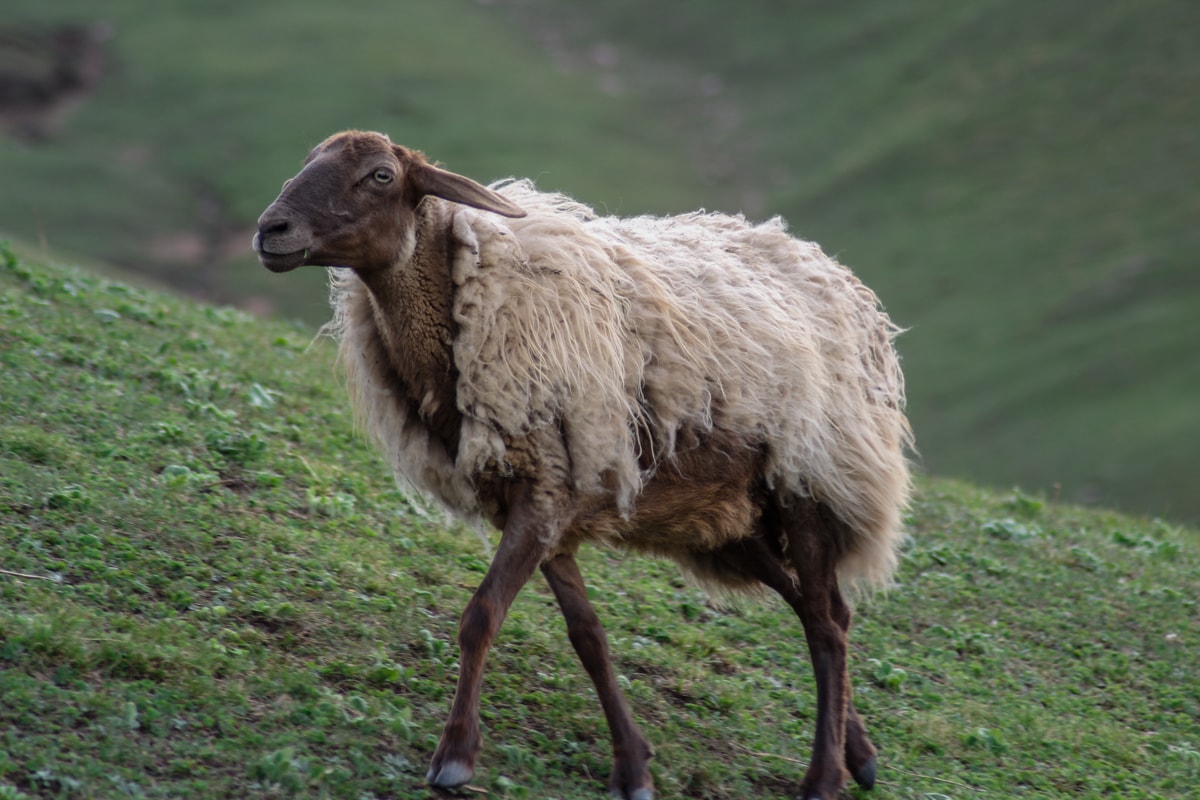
{"points": [[280, 243]]}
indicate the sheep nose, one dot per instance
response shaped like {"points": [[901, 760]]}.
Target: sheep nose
{"points": [[273, 226]]}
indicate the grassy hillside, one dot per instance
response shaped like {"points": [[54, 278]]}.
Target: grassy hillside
{"points": [[1016, 182], [210, 588]]}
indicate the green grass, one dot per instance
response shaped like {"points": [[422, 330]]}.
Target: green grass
{"points": [[211, 588]]}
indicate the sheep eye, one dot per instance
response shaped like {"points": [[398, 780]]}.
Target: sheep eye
{"points": [[383, 176]]}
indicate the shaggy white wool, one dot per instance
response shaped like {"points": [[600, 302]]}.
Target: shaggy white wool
{"points": [[609, 326]]}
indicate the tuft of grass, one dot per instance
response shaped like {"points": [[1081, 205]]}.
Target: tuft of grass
{"points": [[205, 594]]}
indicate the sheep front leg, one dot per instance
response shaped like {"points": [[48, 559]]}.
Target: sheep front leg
{"points": [[630, 778], [523, 545]]}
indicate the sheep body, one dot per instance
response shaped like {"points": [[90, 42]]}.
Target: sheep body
{"points": [[635, 336], [698, 387]]}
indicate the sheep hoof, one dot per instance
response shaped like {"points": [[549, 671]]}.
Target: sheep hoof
{"points": [[450, 775], [865, 775], [637, 794]]}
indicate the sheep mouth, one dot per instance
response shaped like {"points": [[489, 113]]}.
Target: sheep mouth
{"points": [[283, 263], [279, 261]]}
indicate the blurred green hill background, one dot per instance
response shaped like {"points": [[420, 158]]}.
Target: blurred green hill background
{"points": [[1016, 180]]}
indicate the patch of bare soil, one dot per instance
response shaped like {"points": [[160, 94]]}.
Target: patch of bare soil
{"points": [[46, 73]]}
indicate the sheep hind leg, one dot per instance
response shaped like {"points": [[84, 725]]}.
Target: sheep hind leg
{"points": [[757, 559], [811, 552], [630, 778], [861, 755]]}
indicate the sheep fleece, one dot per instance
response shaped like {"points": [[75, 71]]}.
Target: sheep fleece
{"points": [[630, 330]]}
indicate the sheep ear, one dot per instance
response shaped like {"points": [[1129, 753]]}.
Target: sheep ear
{"points": [[429, 179]]}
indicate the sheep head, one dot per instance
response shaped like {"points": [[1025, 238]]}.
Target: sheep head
{"points": [[354, 205]]}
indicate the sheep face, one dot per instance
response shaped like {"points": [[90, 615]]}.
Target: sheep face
{"points": [[354, 205]]}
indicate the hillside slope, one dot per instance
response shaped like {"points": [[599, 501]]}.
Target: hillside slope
{"points": [[1015, 182], [210, 588]]}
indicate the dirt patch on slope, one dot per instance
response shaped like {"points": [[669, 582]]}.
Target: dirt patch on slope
{"points": [[46, 73]]}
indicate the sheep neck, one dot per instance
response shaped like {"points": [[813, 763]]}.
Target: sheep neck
{"points": [[412, 302]]}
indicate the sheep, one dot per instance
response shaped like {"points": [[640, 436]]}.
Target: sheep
{"points": [[694, 387]]}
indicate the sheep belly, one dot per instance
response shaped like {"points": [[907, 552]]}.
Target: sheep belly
{"points": [[697, 502]]}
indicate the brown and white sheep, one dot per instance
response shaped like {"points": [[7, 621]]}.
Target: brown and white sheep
{"points": [[696, 387]]}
